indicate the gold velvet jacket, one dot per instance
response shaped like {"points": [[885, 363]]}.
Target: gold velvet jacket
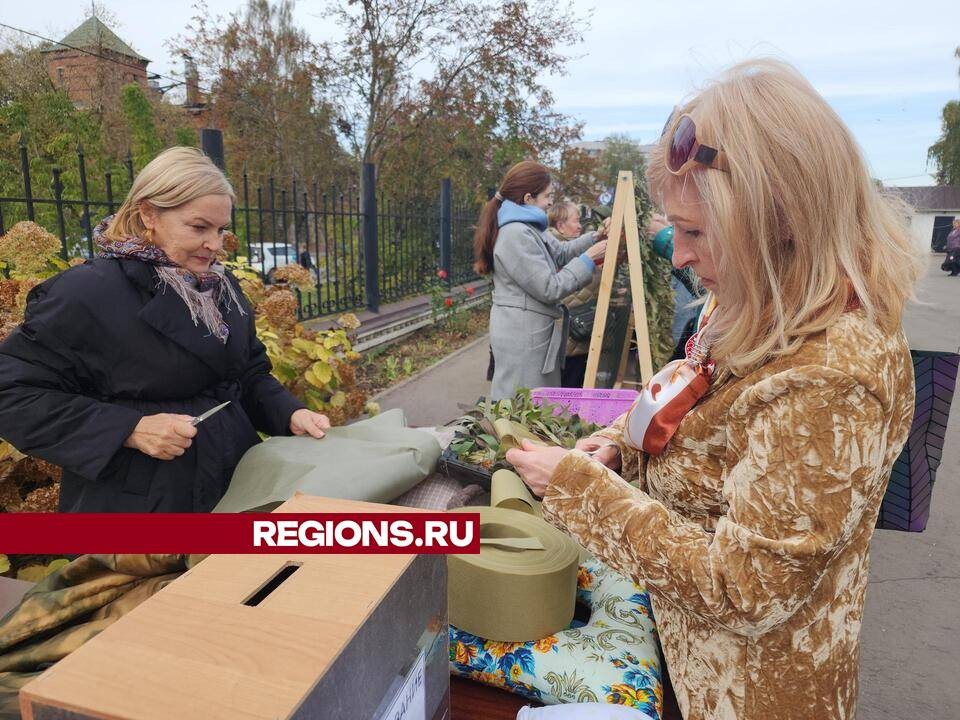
{"points": [[751, 530]]}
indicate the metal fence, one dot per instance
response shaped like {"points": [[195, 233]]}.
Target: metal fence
{"points": [[362, 246]]}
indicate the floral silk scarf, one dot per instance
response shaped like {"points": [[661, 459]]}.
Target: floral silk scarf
{"points": [[203, 293], [671, 393]]}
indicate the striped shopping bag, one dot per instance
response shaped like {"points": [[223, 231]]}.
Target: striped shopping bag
{"points": [[906, 506]]}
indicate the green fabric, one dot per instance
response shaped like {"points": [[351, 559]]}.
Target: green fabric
{"points": [[69, 607], [375, 460]]}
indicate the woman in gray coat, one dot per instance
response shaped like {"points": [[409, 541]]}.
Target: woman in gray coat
{"points": [[532, 272]]}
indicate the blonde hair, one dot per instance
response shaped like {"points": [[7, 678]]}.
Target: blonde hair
{"points": [[798, 222], [174, 177], [561, 212]]}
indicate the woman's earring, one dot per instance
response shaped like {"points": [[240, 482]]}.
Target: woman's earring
{"points": [[148, 236]]}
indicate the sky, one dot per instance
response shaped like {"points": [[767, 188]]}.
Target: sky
{"points": [[886, 67]]}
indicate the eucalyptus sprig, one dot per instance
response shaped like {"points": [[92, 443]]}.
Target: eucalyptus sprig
{"points": [[478, 443]]}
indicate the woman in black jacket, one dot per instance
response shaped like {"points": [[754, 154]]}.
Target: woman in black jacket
{"points": [[116, 357]]}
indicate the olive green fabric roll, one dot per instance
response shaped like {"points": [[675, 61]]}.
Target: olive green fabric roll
{"points": [[511, 594], [375, 460]]}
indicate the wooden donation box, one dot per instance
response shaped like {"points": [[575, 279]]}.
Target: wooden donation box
{"points": [[243, 636]]}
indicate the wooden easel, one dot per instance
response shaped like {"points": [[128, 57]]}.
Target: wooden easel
{"points": [[619, 382], [623, 220]]}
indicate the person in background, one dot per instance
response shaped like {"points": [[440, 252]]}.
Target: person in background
{"points": [[532, 272], [564, 224], [952, 261], [686, 289]]}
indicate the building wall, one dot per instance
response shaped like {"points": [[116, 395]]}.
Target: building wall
{"points": [[921, 226], [921, 229], [86, 77]]}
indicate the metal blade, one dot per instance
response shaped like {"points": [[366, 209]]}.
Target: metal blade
{"points": [[212, 411]]}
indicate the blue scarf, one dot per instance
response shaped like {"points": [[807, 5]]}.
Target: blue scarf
{"points": [[510, 212]]}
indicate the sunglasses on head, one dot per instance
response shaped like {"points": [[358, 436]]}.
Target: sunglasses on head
{"points": [[686, 151]]}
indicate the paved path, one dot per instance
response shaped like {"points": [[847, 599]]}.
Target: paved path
{"points": [[433, 396], [911, 628], [910, 653]]}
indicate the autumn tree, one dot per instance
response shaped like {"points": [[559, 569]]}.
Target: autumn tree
{"points": [[35, 114], [409, 70], [577, 175], [473, 141], [40, 116], [945, 153], [620, 153], [139, 116], [267, 82]]}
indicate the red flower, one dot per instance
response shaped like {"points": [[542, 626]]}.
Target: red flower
{"points": [[448, 302], [442, 274], [470, 291]]}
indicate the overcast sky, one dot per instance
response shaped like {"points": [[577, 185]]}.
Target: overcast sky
{"points": [[886, 66]]}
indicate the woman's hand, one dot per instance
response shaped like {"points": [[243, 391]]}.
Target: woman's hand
{"points": [[535, 464], [657, 223], [596, 252], [163, 436], [604, 229], [307, 422], [603, 450]]}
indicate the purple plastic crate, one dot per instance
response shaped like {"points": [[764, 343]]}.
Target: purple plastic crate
{"points": [[598, 406]]}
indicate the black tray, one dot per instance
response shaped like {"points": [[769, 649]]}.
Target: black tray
{"points": [[453, 467]]}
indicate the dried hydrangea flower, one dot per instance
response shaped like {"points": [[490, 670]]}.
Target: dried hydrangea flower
{"points": [[10, 499], [28, 248], [254, 289], [231, 243], [280, 308], [295, 275], [43, 499], [25, 287], [348, 321], [9, 289]]}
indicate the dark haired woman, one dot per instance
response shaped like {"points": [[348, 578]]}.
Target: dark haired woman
{"points": [[532, 272]]}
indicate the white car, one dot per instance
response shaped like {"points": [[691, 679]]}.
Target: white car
{"points": [[275, 256]]}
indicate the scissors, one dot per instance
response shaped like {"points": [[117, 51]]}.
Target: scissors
{"points": [[212, 411]]}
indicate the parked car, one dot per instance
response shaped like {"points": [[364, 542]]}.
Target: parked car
{"points": [[277, 256]]}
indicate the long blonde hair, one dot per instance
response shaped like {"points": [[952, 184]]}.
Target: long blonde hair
{"points": [[798, 222], [174, 177]]}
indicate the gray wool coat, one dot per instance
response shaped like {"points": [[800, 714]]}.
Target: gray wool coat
{"points": [[532, 273]]}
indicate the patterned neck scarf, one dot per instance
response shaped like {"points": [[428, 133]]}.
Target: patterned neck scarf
{"points": [[203, 293], [664, 401], [671, 393]]}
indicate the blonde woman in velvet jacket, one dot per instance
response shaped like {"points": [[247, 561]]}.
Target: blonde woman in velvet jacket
{"points": [[751, 527]]}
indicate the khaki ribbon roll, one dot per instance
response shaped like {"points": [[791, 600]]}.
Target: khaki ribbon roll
{"points": [[508, 491], [511, 434], [511, 591]]}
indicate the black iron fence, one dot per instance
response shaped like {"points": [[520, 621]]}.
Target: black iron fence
{"points": [[362, 246]]}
